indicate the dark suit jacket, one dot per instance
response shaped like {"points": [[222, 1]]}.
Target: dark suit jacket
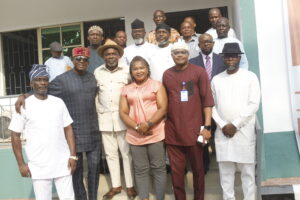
{"points": [[218, 64]]}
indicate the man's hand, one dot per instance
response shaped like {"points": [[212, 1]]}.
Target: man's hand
{"points": [[206, 134], [72, 165], [24, 170], [19, 103], [229, 130]]}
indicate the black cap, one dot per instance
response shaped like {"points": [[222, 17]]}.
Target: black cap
{"points": [[163, 26], [232, 48], [137, 24]]}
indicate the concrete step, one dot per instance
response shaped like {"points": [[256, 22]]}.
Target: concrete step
{"points": [[212, 186]]}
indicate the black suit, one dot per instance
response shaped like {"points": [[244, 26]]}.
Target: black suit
{"points": [[218, 66]]}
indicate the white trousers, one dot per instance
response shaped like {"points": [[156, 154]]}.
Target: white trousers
{"points": [[227, 175], [112, 142], [64, 187]]}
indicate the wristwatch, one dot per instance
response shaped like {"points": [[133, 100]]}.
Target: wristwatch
{"points": [[150, 124], [74, 158], [137, 127], [207, 128]]}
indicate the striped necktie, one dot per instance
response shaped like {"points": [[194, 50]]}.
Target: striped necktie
{"points": [[208, 67]]}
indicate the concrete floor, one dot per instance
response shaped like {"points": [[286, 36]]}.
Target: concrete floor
{"points": [[212, 186]]}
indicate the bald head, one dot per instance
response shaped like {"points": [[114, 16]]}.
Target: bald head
{"points": [[159, 17], [222, 27], [214, 15], [191, 20]]}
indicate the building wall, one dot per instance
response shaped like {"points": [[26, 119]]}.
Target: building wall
{"points": [[31, 13], [273, 66], [280, 156]]}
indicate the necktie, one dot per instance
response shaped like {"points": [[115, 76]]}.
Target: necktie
{"points": [[208, 67]]}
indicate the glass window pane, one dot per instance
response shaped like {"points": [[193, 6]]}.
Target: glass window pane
{"points": [[71, 35], [50, 35], [68, 51], [46, 55]]}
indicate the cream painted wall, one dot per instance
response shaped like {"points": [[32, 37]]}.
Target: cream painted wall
{"points": [[17, 15], [276, 104]]}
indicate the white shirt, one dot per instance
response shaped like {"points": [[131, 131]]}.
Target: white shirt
{"points": [[42, 123], [219, 45], [110, 84], [214, 34], [161, 61], [237, 98], [145, 50], [57, 66]]}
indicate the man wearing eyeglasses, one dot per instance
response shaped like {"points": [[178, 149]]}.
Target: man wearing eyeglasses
{"points": [[213, 65], [78, 89], [236, 94], [189, 107]]}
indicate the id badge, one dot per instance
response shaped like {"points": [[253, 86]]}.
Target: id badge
{"points": [[184, 95]]}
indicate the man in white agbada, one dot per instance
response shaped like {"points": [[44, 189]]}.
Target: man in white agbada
{"points": [[140, 46], [236, 94], [214, 14], [223, 38], [50, 142], [162, 58], [58, 63]]}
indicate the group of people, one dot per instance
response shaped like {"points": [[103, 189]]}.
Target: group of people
{"points": [[154, 101]]}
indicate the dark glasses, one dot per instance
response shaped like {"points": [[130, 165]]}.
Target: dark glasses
{"points": [[81, 58]]}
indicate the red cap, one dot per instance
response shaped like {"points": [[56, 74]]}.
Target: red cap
{"points": [[81, 51]]}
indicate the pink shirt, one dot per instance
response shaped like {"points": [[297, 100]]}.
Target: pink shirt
{"points": [[142, 106]]}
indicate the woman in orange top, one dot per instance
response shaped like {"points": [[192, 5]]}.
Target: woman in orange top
{"points": [[143, 105]]}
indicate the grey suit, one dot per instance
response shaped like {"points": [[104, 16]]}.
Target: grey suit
{"points": [[79, 92]]}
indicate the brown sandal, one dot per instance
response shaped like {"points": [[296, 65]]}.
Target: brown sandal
{"points": [[131, 193], [112, 192]]}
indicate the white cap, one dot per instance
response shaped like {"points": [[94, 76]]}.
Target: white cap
{"points": [[180, 45]]}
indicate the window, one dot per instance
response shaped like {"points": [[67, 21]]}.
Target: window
{"points": [[69, 36]]}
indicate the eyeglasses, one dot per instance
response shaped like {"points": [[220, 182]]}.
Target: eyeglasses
{"points": [[81, 58], [184, 52]]}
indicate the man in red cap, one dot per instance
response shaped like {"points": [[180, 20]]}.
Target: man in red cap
{"points": [[78, 89]]}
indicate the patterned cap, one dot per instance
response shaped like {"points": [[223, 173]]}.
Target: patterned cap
{"points": [[38, 71], [180, 45], [81, 51], [97, 28]]}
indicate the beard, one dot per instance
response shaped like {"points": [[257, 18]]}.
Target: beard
{"points": [[231, 68], [139, 41], [163, 43]]}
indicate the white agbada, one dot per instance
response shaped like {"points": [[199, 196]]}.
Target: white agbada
{"points": [[219, 45], [145, 50], [42, 123], [57, 66], [160, 62], [237, 98], [214, 34]]}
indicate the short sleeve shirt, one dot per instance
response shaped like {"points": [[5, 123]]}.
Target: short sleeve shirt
{"points": [[185, 118], [142, 106], [42, 123]]}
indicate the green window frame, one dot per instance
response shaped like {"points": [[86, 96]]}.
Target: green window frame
{"points": [[68, 35]]}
